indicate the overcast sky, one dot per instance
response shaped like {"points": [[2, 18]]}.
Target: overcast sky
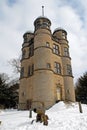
{"points": [[17, 17]]}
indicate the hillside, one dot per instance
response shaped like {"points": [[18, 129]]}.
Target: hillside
{"points": [[61, 117]]}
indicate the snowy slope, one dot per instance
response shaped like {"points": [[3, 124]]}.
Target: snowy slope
{"points": [[61, 117]]}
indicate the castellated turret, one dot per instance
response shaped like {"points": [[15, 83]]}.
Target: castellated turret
{"points": [[46, 72]]}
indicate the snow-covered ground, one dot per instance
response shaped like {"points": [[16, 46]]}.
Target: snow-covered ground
{"points": [[61, 117]]}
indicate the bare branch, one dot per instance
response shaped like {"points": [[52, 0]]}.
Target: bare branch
{"points": [[15, 63]]}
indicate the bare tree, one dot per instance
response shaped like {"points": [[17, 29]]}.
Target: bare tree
{"points": [[15, 63], [4, 77]]}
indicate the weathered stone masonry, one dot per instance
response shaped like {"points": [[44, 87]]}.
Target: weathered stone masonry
{"points": [[46, 72]]}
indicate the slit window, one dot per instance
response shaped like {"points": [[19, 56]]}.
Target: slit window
{"points": [[31, 50], [31, 70], [23, 54], [22, 72]]}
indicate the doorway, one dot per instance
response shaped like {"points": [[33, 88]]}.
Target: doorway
{"points": [[59, 93]]}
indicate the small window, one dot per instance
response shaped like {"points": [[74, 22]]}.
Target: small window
{"points": [[31, 70], [45, 24], [29, 73], [23, 54], [48, 66], [55, 49], [31, 50], [67, 91], [25, 38], [22, 72], [47, 44], [57, 68], [23, 94], [66, 51], [69, 70], [31, 41], [63, 35]]}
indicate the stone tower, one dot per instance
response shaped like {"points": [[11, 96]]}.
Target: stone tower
{"points": [[46, 73]]}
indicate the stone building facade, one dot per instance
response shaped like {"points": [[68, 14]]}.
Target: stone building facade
{"points": [[46, 72]]}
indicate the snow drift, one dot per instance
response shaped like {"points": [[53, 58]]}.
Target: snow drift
{"points": [[62, 116]]}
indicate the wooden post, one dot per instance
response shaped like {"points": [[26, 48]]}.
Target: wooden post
{"points": [[0, 122], [80, 107], [29, 103], [30, 116], [30, 113]]}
